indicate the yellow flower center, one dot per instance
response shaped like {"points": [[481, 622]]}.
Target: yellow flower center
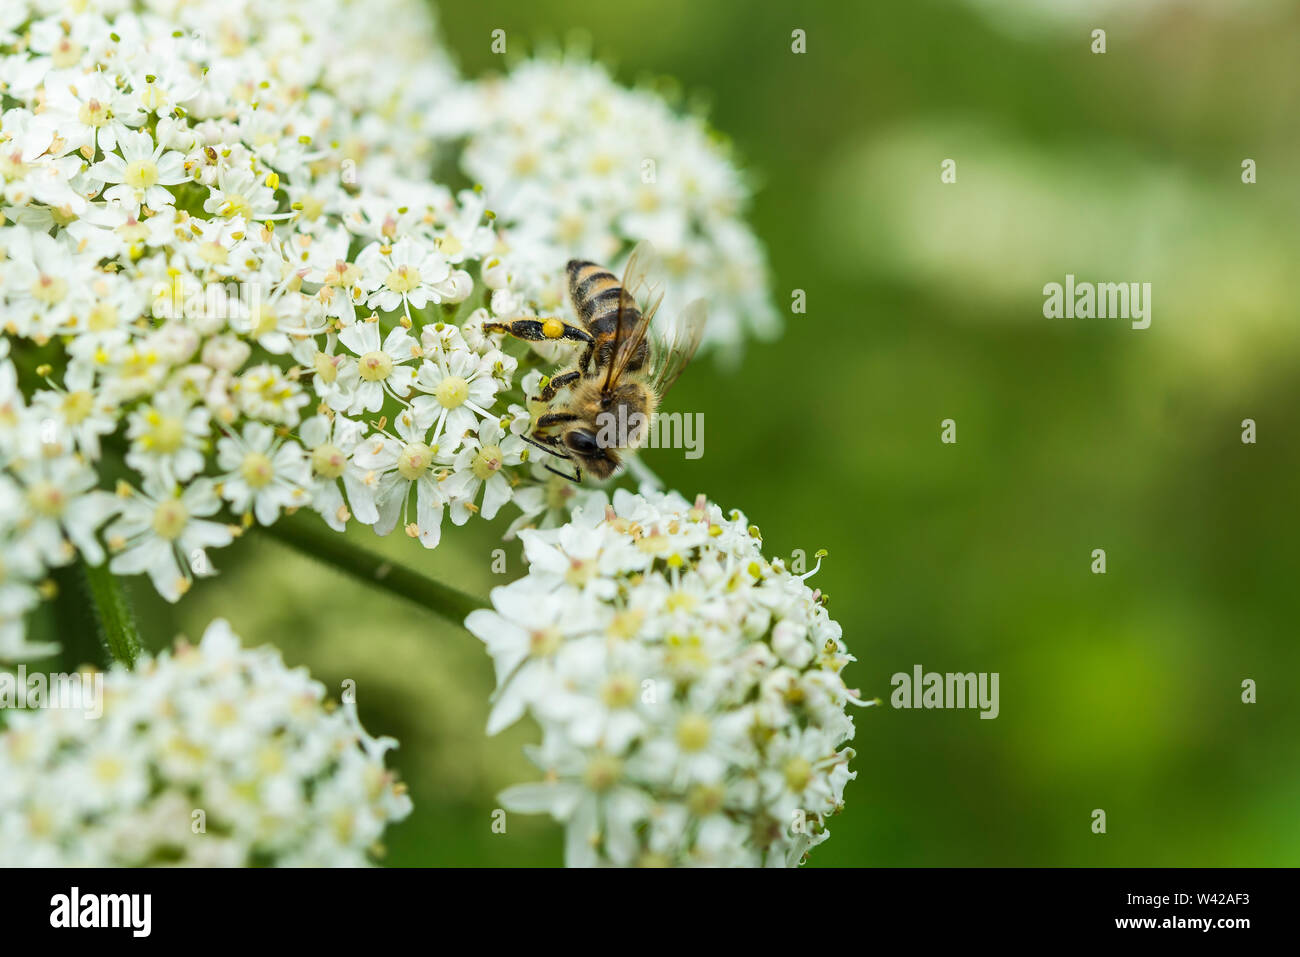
{"points": [[619, 691], [169, 519], [312, 208], [141, 174], [46, 499], [76, 406], [12, 165], [236, 204], [93, 113], [580, 572], [152, 98], [256, 469], [49, 289], [488, 462], [166, 434], [376, 366], [704, 799], [693, 732], [452, 392], [263, 321], [602, 772], [798, 773], [214, 253], [326, 370], [102, 317], [328, 461], [414, 461], [449, 245], [544, 641], [66, 54], [403, 279], [108, 768]]}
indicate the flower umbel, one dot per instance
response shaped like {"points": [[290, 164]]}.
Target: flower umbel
{"points": [[689, 690], [209, 756]]}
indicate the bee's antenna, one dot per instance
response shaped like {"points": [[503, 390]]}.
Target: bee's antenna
{"points": [[544, 447], [576, 479]]}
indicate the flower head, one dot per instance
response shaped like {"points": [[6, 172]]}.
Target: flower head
{"points": [[689, 690], [210, 755]]}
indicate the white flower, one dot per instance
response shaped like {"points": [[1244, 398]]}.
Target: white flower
{"points": [[44, 283], [164, 532], [575, 166], [266, 392], [280, 778], [95, 112], [238, 193], [197, 199], [458, 390], [168, 438], [263, 473], [480, 464], [403, 275], [141, 172], [379, 367], [683, 722], [63, 508], [332, 447], [79, 411], [395, 466]]}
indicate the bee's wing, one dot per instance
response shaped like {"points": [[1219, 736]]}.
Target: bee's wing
{"points": [[675, 349], [638, 284]]}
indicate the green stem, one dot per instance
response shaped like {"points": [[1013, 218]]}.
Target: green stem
{"points": [[113, 612], [314, 540]]}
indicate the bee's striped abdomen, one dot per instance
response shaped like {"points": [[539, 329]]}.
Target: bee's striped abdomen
{"points": [[595, 292]]}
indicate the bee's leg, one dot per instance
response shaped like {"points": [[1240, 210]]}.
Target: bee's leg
{"points": [[584, 362], [554, 418], [540, 330], [557, 383]]}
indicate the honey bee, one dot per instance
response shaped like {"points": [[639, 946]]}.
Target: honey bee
{"points": [[623, 371]]}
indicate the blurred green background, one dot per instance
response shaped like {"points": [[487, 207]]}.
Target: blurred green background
{"points": [[1119, 692]]}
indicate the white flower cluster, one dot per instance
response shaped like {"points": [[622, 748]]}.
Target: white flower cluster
{"points": [[575, 165], [209, 756], [688, 689], [219, 287]]}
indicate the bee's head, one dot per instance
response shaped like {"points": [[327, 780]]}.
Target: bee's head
{"points": [[586, 446]]}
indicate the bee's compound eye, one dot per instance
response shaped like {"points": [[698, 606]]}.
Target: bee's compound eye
{"points": [[552, 328], [582, 441]]}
